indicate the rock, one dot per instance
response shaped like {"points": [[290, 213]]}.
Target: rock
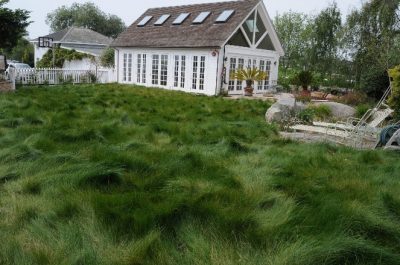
{"points": [[331, 97], [339, 110], [283, 109]]}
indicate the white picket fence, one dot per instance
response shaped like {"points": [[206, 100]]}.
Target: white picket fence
{"points": [[55, 76]]}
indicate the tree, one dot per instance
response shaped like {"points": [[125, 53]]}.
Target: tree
{"points": [[325, 40], [372, 41], [23, 51], [107, 58], [86, 15], [294, 32], [13, 25]]}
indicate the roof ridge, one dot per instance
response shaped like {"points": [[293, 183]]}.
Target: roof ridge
{"points": [[200, 4], [65, 35]]}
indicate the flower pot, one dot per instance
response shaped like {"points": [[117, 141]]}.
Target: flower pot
{"points": [[248, 90]]}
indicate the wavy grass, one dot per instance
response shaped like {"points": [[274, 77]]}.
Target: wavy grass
{"points": [[113, 174]]}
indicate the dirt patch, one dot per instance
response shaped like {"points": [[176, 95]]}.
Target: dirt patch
{"points": [[6, 86]]}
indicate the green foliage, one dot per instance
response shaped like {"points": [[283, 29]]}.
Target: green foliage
{"points": [[61, 55], [314, 112], [253, 74], [107, 59], [23, 52], [307, 115], [394, 100], [295, 33], [371, 37], [115, 174], [86, 15], [13, 24], [304, 79], [362, 109]]}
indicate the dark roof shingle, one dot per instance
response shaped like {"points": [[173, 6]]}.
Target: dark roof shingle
{"points": [[207, 34], [80, 36]]}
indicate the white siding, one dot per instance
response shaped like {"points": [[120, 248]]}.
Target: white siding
{"points": [[210, 69], [255, 55], [39, 53]]}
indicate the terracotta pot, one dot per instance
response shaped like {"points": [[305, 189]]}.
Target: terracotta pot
{"points": [[248, 90]]}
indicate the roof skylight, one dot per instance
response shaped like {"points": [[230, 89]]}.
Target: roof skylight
{"points": [[162, 20], [225, 16], [181, 18], [144, 21], [201, 17]]}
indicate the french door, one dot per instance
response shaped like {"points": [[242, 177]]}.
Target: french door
{"points": [[235, 86]]}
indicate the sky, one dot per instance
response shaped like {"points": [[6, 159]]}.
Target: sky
{"points": [[129, 11]]}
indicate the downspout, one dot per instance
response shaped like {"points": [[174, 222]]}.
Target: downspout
{"points": [[117, 64], [223, 74], [216, 78]]}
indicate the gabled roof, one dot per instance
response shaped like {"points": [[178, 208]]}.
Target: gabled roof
{"points": [[79, 36], [207, 34]]}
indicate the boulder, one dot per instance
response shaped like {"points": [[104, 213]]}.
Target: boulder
{"points": [[339, 110], [283, 109]]}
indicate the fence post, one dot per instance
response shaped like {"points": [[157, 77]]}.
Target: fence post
{"points": [[12, 76]]}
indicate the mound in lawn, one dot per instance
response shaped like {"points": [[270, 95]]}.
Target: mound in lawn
{"points": [[112, 174]]}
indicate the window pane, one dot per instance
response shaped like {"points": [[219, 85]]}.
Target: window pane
{"points": [[249, 26], [176, 71], [164, 70], [183, 70], [129, 67], [266, 44], [144, 68], [232, 69], [181, 18], [201, 18], [225, 16], [260, 27], [238, 40], [162, 20], [239, 84], [124, 66], [195, 67], [139, 70], [144, 21], [202, 71], [156, 63]]}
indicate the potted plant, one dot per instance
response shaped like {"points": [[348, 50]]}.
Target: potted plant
{"points": [[304, 79], [250, 75]]}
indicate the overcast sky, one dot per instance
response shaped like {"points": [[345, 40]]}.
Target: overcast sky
{"points": [[130, 10]]}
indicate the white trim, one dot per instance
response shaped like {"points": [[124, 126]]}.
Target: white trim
{"points": [[240, 25], [262, 38], [271, 29], [246, 37]]}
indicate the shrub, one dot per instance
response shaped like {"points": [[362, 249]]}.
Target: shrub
{"points": [[354, 98], [303, 98], [107, 58], [321, 111], [394, 100], [304, 79], [307, 115], [61, 55], [361, 110]]}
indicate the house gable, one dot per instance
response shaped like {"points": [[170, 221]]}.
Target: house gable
{"points": [[256, 32], [209, 33]]}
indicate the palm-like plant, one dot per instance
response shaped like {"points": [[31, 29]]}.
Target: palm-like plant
{"points": [[250, 75]]}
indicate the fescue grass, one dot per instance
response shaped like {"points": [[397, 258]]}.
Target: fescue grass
{"points": [[113, 174]]}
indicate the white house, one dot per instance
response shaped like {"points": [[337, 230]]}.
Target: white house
{"points": [[193, 48], [82, 40]]}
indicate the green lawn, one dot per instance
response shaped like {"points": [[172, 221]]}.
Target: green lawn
{"points": [[113, 174]]}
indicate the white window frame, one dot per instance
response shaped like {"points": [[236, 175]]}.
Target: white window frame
{"points": [[179, 71], [199, 63]]}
